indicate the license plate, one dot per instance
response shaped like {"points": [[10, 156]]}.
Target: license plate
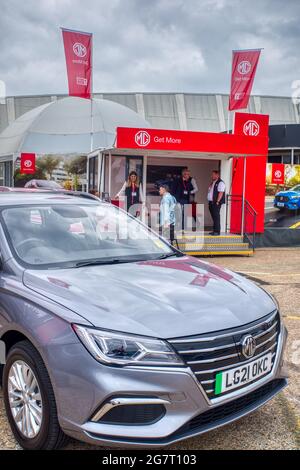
{"points": [[243, 374], [280, 204]]}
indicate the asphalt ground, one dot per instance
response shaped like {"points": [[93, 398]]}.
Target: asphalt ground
{"points": [[277, 424]]}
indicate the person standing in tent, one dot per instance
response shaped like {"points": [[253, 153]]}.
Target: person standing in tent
{"points": [[216, 197], [184, 190], [167, 217], [133, 192]]}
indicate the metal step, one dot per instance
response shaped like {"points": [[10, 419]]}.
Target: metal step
{"points": [[198, 238], [203, 244], [210, 241], [213, 246], [220, 253]]}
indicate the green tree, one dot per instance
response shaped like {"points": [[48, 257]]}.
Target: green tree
{"points": [[75, 167], [48, 163]]}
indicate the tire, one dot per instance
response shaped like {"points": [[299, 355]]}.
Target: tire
{"points": [[49, 436]]}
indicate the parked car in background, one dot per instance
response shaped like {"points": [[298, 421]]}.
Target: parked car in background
{"points": [[114, 337], [43, 184], [289, 199]]}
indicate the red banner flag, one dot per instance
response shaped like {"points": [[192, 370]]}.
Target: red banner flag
{"points": [[78, 51], [244, 64], [278, 173], [27, 163]]}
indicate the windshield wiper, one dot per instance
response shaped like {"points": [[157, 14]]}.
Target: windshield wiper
{"points": [[101, 261], [169, 255], [95, 262]]}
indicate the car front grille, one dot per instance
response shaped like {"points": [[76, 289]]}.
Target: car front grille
{"points": [[281, 199], [212, 353]]}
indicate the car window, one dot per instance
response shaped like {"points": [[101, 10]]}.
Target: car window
{"points": [[296, 188], [63, 235]]}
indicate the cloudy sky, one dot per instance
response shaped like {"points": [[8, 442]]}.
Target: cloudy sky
{"points": [[150, 45]]}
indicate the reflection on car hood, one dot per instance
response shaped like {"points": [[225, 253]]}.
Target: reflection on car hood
{"points": [[166, 298]]}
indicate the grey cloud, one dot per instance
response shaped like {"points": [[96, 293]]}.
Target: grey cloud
{"points": [[150, 45]]}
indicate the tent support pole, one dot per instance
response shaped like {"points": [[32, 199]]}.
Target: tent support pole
{"points": [[13, 171], [243, 197]]}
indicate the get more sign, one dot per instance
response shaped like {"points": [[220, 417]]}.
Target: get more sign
{"points": [[190, 141], [143, 139]]}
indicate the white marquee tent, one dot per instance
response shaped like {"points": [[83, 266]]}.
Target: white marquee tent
{"points": [[64, 127]]}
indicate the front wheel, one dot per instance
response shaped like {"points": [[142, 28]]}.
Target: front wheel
{"points": [[29, 400]]}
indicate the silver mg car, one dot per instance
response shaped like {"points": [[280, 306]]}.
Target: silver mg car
{"points": [[113, 337]]}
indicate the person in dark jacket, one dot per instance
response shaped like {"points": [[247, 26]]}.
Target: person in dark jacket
{"points": [[216, 197], [133, 191], [184, 190]]}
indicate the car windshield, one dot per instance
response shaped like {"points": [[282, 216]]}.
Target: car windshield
{"points": [[68, 235], [296, 188]]}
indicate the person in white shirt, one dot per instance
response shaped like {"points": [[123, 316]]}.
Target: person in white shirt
{"points": [[216, 197]]}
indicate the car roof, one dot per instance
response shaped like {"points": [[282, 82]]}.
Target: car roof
{"points": [[23, 198]]}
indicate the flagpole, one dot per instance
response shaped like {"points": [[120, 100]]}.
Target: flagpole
{"points": [[92, 107]]}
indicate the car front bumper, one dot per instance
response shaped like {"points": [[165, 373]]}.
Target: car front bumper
{"points": [[90, 387], [290, 205]]}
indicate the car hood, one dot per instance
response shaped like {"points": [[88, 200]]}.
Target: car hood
{"points": [[288, 193], [166, 298]]}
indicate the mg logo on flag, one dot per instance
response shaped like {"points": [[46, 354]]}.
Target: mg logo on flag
{"points": [[28, 163], [251, 128], [278, 174], [244, 67], [79, 49], [142, 138]]}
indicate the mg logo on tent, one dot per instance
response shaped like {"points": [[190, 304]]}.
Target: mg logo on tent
{"points": [[244, 67], [79, 49], [142, 138], [251, 128]]}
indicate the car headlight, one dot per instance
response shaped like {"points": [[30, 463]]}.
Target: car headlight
{"points": [[122, 349], [295, 197]]}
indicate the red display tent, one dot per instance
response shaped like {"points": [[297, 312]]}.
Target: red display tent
{"points": [[242, 154]]}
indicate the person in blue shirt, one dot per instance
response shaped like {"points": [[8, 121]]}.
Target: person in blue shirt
{"points": [[167, 216]]}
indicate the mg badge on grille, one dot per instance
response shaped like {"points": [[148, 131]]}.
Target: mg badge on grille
{"points": [[248, 344]]}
